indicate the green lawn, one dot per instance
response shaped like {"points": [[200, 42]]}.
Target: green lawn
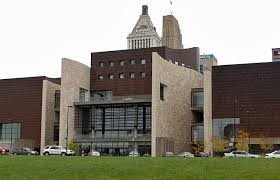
{"points": [[30, 167]]}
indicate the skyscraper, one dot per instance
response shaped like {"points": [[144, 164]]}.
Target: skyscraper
{"points": [[144, 34], [171, 33]]}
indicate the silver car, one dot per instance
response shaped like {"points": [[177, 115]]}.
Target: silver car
{"points": [[185, 154], [241, 154], [275, 154]]}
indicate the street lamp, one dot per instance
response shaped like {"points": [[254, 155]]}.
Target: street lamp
{"points": [[67, 128]]}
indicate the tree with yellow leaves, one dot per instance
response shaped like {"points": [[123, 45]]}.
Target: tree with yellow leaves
{"points": [[264, 143], [242, 140]]}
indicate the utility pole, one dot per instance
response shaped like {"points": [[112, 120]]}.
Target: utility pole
{"points": [[67, 128]]}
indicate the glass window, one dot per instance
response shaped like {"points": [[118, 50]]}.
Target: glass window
{"points": [[111, 63], [197, 99], [111, 76], [122, 63], [101, 64], [9, 131], [143, 61], [197, 133], [224, 127], [121, 75], [132, 61], [142, 74], [82, 95], [132, 75], [100, 77]]}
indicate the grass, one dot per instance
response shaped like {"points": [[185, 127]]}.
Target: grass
{"points": [[30, 167]]}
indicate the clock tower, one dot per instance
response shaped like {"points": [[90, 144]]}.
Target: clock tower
{"points": [[144, 34]]}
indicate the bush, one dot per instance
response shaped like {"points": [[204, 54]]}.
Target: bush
{"points": [[74, 147]]}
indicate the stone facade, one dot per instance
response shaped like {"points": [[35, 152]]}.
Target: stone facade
{"points": [[172, 117], [207, 112], [171, 33], [74, 77], [48, 112]]}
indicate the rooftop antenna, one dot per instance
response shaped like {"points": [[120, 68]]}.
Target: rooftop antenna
{"points": [[170, 4]]}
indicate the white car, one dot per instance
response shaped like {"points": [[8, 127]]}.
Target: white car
{"points": [[133, 153], [241, 154], [94, 153], [57, 150], [275, 154], [185, 154]]}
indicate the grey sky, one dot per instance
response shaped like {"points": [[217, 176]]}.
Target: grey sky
{"points": [[36, 34]]}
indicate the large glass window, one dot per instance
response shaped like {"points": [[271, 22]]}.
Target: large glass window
{"points": [[9, 131], [82, 95], [197, 133], [197, 99], [225, 127], [101, 95], [57, 99]]}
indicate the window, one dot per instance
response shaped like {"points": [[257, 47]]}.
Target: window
{"points": [[132, 61], [197, 99], [122, 63], [111, 63], [132, 75], [82, 95], [56, 133], [111, 76], [162, 88], [57, 99], [142, 74], [197, 133], [143, 61], [100, 77], [225, 127], [9, 131], [121, 75], [101, 64]]}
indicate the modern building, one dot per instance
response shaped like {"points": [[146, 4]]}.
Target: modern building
{"points": [[25, 103], [207, 61]]}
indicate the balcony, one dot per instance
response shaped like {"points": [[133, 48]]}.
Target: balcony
{"points": [[197, 99]]}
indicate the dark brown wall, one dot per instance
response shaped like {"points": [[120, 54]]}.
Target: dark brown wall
{"points": [[256, 87], [138, 85], [21, 102]]}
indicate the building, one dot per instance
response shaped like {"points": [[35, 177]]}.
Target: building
{"points": [[207, 61], [126, 101], [25, 102], [171, 33], [276, 54], [144, 34]]}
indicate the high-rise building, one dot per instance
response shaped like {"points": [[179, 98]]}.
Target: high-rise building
{"points": [[144, 34], [206, 62], [171, 33]]}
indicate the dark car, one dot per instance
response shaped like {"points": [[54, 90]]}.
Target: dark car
{"points": [[24, 151], [4, 150]]}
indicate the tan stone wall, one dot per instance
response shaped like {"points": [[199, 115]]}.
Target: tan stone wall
{"points": [[171, 118], [171, 33], [207, 112], [74, 76], [48, 112]]}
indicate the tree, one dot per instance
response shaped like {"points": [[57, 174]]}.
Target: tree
{"points": [[198, 146], [74, 147], [242, 139], [264, 143], [219, 144]]}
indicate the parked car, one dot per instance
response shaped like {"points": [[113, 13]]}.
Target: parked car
{"points": [[4, 150], [168, 154], [201, 154], [134, 153], [57, 150], [185, 154], [241, 154], [94, 153], [275, 154], [23, 151]]}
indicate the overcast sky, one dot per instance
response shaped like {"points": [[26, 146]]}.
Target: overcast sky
{"points": [[36, 34]]}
